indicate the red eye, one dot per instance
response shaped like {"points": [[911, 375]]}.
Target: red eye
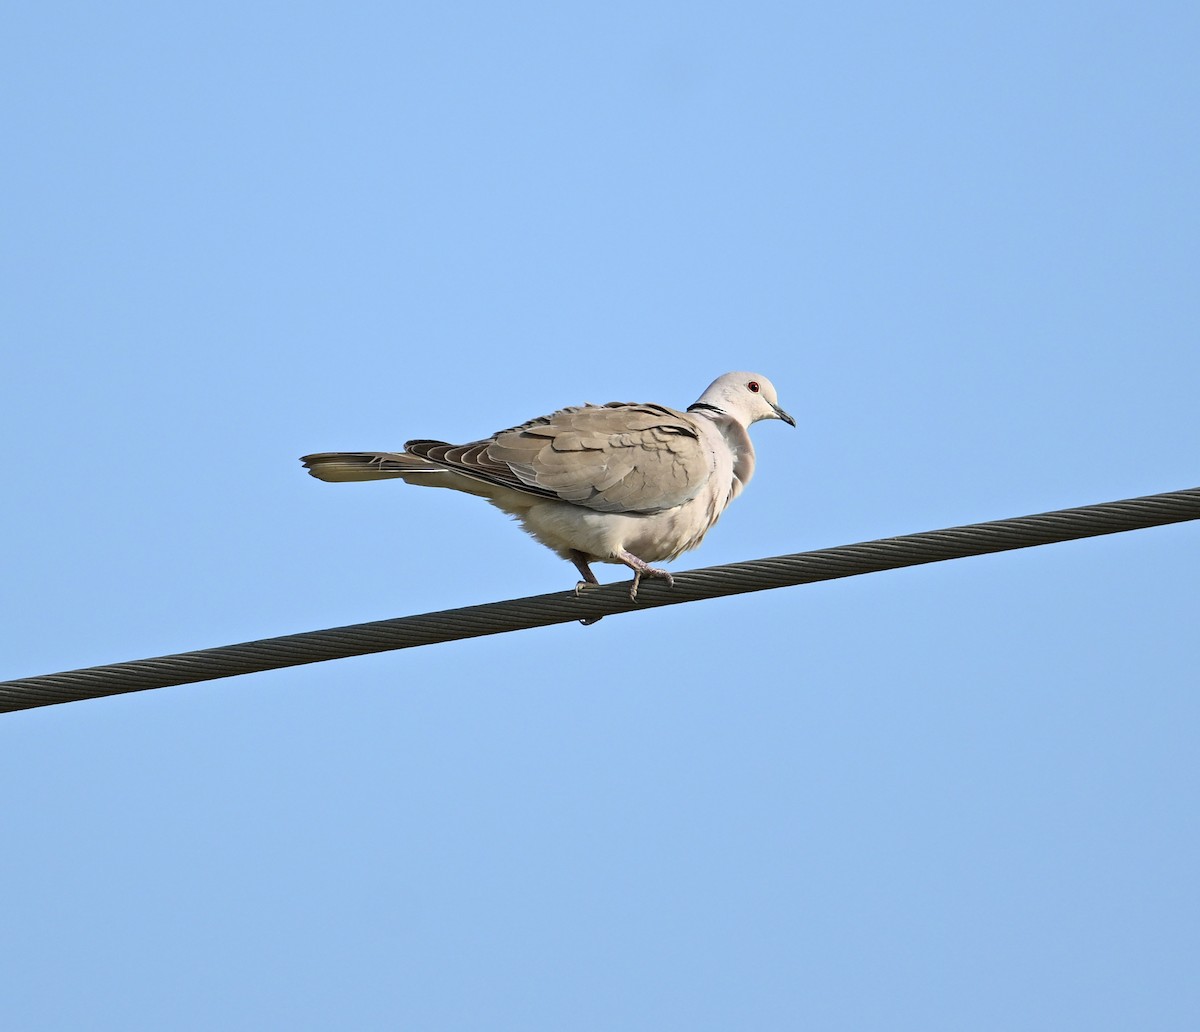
{"points": [[753, 385]]}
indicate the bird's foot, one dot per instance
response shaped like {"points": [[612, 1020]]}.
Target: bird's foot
{"points": [[589, 581], [585, 571], [641, 569]]}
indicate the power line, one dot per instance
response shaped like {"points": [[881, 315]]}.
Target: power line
{"points": [[607, 600]]}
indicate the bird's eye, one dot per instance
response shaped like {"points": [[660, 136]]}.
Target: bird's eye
{"points": [[753, 385]]}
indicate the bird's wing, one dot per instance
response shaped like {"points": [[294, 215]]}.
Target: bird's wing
{"points": [[619, 457]]}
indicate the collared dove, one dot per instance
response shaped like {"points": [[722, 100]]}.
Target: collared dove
{"points": [[617, 483]]}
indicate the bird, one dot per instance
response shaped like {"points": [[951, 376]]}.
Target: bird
{"points": [[625, 482]]}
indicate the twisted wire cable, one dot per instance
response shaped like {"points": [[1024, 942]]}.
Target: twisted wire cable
{"points": [[606, 600]]}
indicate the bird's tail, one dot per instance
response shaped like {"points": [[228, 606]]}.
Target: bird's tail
{"points": [[344, 467]]}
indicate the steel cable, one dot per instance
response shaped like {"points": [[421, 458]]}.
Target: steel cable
{"points": [[607, 600]]}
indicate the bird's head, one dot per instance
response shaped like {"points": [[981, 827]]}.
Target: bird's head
{"points": [[747, 397]]}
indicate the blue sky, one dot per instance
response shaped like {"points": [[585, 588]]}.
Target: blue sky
{"points": [[961, 240]]}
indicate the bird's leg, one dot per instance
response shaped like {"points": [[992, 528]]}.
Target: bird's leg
{"points": [[581, 564], [640, 569], [585, 571]]}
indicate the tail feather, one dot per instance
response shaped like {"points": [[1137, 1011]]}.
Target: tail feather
{"points": [[345, 467]]}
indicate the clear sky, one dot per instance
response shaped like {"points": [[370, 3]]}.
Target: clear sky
{"points": [[963, 241]]}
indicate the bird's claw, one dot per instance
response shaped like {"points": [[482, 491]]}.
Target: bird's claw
{"points": [[649, 571], [580, 588]]}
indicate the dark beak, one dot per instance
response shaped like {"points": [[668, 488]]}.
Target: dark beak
{"points": [[783, 415]]}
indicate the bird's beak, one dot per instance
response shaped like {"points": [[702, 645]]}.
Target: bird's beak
{"points": [[783, 415]]}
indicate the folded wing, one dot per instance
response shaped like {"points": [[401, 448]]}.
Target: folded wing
{"points": [[626, 458]]}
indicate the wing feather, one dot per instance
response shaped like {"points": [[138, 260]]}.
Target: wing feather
{"points": [[618, 457]]}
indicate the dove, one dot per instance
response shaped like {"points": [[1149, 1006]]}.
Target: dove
{"points": [[623, 483]]}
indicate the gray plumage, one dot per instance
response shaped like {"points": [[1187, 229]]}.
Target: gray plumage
{"points": [[623, 482]]}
